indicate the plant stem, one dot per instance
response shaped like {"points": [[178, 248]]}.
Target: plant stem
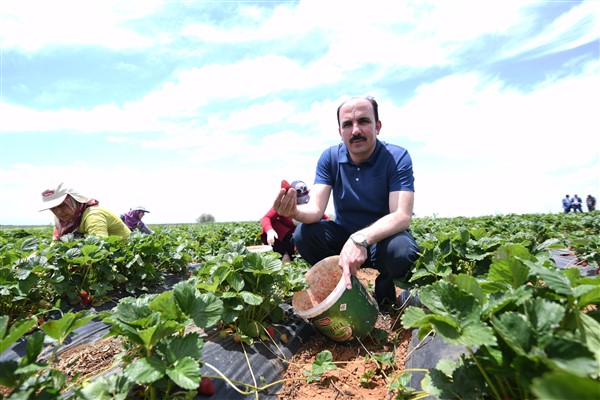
{"points": [[485, 375]]}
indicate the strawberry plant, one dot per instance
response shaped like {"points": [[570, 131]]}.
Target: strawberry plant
{"points": [[161, 356], [29, 377], [251, 285], [521, 323]]}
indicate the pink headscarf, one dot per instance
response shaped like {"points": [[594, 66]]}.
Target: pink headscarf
{"points": [[63, 227]]}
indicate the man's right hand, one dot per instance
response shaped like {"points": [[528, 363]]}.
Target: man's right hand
{"points": [[285, 203]]}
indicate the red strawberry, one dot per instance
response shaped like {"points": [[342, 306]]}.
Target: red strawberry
{"points": [[271, 332], [84, 294], [237, 338], [206, 387], [285, 185]]}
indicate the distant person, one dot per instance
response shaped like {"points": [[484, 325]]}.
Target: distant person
{"points": [[372, 186], [133, 220], [78, 214], [277, 230], [576, 204], [566, 203], [590, 201]]}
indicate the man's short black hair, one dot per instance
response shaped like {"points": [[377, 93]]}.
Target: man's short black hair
{"points": [[371, 100]]}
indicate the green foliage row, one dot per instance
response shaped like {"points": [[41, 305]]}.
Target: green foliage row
{"points": [[524, 325], [161, 355], [35, 272]]}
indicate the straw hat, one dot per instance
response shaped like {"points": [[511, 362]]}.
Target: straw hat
{"points": [[54, 197], [140, 208]]}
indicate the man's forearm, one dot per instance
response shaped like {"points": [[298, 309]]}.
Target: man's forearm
{"points": [[386, 226]]}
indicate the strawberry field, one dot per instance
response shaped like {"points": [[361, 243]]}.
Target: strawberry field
{"points": [[529, 325]]}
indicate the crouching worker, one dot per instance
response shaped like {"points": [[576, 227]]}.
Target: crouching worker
{"points": [[133, 220], [80, 215], [277, 230]]}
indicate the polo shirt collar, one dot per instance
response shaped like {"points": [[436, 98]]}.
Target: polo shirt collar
{"points": [[344, 157]]}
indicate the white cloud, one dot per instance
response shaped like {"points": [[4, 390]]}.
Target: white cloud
{"points": [[69, 22], [228, 129]]}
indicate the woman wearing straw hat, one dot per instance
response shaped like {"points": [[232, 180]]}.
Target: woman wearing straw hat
{"points": [[78, 214], [133, 219]]}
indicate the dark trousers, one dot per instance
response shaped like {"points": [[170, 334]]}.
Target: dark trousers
{"points": [[393, 257]]}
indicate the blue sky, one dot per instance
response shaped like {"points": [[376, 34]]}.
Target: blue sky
{"points": [[204, 106]]}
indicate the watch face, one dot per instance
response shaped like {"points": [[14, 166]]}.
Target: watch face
{"points": [[360, 239]]}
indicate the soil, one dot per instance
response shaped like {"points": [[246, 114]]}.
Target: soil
{"points": [[91, 359], [352, 364]]}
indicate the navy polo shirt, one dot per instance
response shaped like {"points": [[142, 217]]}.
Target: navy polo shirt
{"points": [[361, 192]]}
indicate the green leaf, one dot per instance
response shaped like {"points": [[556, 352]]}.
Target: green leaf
{"points": [[587, 295], [563, 385], [207, 310], [178, 347], [323, 363], [473, 334], [251, 298], [153, 335], [235, 281], [507, 268], [35, 345], [572, 356], [185, 373], [506, 299], [59, 329], [414, 317], [589, 330], [8, 377], [448, 300], [470, 285], [134, 311], [145, 370], [553, 279], [16, 331], [185, 295], [30, 244], [115, 387], [166, 306], [516, 331], [544, 316]]}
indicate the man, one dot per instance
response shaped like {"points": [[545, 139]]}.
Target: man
{"points": [[373, 194], [590, 202], [576, 204], [566, 203]]}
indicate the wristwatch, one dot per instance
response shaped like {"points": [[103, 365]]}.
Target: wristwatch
{"points": [[360, 240]]}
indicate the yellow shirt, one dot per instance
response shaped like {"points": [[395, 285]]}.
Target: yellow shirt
{"points": [[101, 222]]}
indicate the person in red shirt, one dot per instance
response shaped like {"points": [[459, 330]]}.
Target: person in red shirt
{"points": [[277, 231]]}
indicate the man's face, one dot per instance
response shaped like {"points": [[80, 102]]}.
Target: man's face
{"points": [[358, 129]]}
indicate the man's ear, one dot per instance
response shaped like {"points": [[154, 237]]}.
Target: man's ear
{"points": [[378, 126]]}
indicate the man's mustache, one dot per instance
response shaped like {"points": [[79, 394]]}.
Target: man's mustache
{"points": [[357, 138]]}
